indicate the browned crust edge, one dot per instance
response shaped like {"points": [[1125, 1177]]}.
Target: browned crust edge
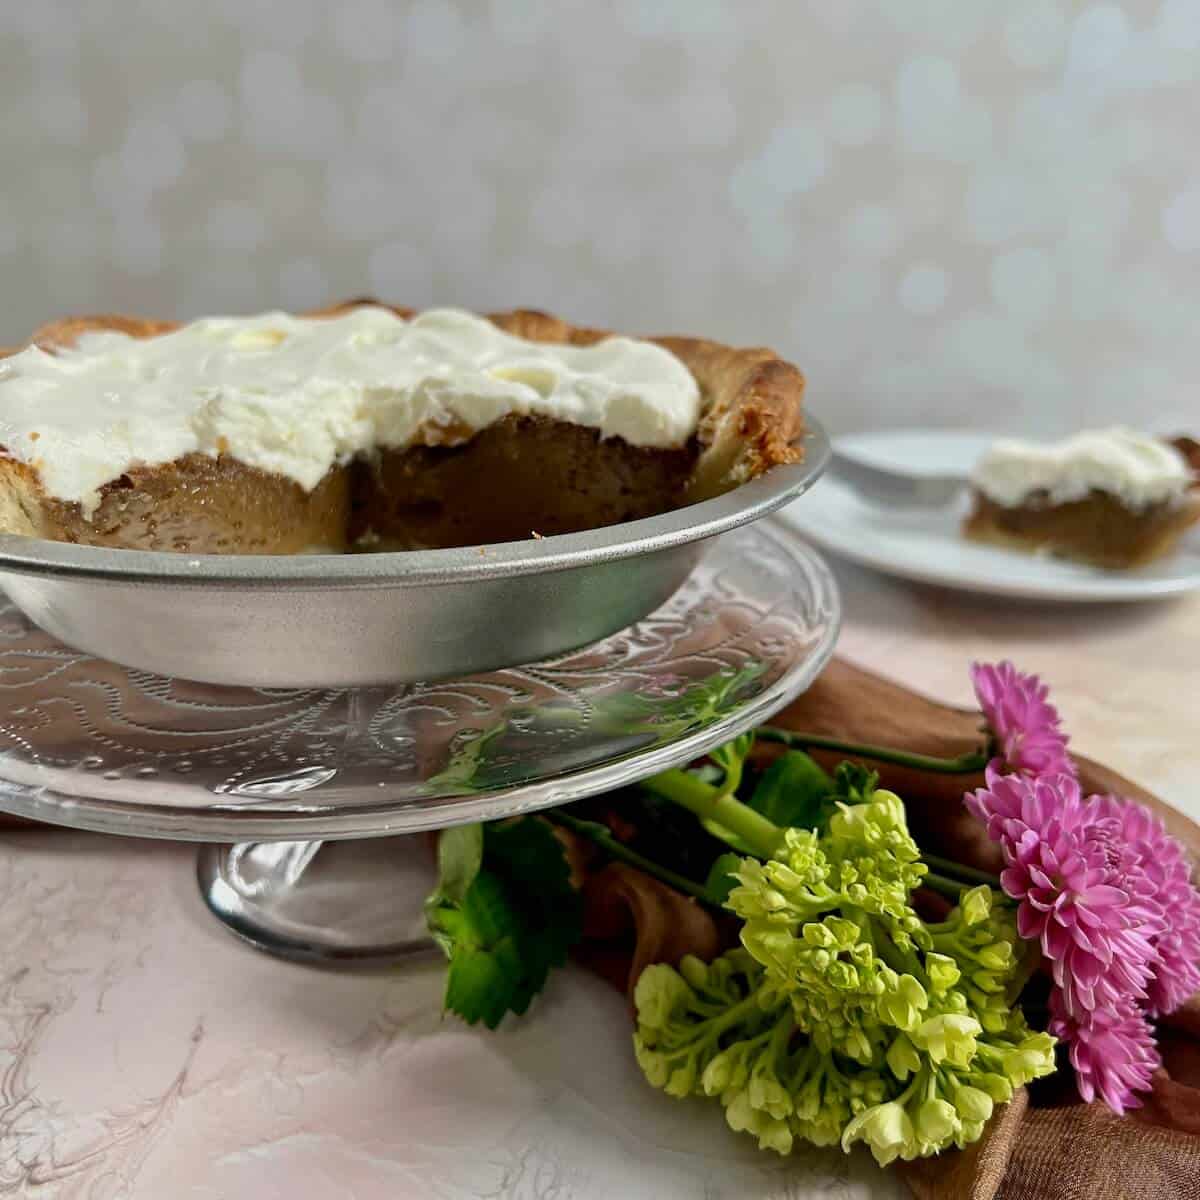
{"points": [[752, 418]]}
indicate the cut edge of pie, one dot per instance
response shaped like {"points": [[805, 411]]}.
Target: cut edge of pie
{"points": [[520, 477], [1098, 530]]}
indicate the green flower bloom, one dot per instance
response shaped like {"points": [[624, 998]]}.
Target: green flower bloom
{"points": [[886, 1128], [844, 1017], [903, 1005], [948, 1038]]}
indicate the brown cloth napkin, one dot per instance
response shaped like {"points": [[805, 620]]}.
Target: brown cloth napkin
{"points": [[1044, 1146]]}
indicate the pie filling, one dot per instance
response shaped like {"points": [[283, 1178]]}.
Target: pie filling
{"points": [[367, 429], [1112, 498]]}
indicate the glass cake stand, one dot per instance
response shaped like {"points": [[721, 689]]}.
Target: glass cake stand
{"points": [[289, 780]]}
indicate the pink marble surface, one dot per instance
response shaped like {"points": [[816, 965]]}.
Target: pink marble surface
{"points": [[144, 1053]]}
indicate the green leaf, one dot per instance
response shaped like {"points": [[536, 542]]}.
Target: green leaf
{"points": [[666, 717], [516, 919], [793, 790], [720, 880], [466, 770], [480, 939], [853, 783], [460, 855]]}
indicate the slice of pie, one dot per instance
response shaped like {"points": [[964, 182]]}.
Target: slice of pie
{"points": [[1112, 498], [371, 427]]}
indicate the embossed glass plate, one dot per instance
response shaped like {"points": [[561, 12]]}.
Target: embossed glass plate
{"points": [[87, 743]]}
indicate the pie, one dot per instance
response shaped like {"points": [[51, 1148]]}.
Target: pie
{"points": [[370, 427], [1110, 498]]}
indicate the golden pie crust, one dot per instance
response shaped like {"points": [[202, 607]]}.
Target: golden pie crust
{"points": [[519, 478]]}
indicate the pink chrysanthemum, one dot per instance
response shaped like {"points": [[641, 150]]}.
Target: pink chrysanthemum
{"points": [[1154, 869], [1112, 1050], [1013, 805], [1106, 892], [1096, 936], [1022, 720]]}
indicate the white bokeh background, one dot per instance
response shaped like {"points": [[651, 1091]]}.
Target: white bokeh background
{"points": [[948, 212]]}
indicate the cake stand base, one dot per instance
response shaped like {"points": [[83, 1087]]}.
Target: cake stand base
{"points": [[353, 903]]}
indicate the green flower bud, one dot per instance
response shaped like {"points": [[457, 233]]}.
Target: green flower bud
{"points": [[993, 1020], [807, 1102], [987, 981], [972, 1104], [861, 955], [654, 1065], [955, 1002], [902, 1058], [976, 905], [998, 956], [769, 945], [842, 975], [740, 1113], [659, 992], [775, 1135], [768, 1095], [682, 1080], [784, 878], [718, 1074], [815, 933], [694, 970], [937, 1121], [969, 1131], [943, 972], [824, 1131], [857, 1046], [996, 1086], [1033, 1058]]}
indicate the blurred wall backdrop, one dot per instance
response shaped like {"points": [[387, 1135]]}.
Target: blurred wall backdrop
{"points": [[947, 211]]}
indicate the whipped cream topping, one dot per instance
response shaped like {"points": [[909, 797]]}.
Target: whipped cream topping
{"points": [[1138, 468], [296, 395]]}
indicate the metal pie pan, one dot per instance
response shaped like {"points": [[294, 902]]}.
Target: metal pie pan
{"points": [[343, 620]]}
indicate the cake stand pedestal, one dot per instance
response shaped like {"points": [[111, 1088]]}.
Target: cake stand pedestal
{"points": [[292, 782], [345, 904]]}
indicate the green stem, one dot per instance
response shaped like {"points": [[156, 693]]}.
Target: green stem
{"points": [[948, 887], [901, 961], [1027, 966], [964, 764], [712, 804], [947, 866], [603, 837]]}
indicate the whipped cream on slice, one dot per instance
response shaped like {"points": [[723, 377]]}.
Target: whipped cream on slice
{"points": [[1139, 469], [297, 395]]}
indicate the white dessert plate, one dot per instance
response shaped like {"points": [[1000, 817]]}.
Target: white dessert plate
{"points": [[925, 543]]}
